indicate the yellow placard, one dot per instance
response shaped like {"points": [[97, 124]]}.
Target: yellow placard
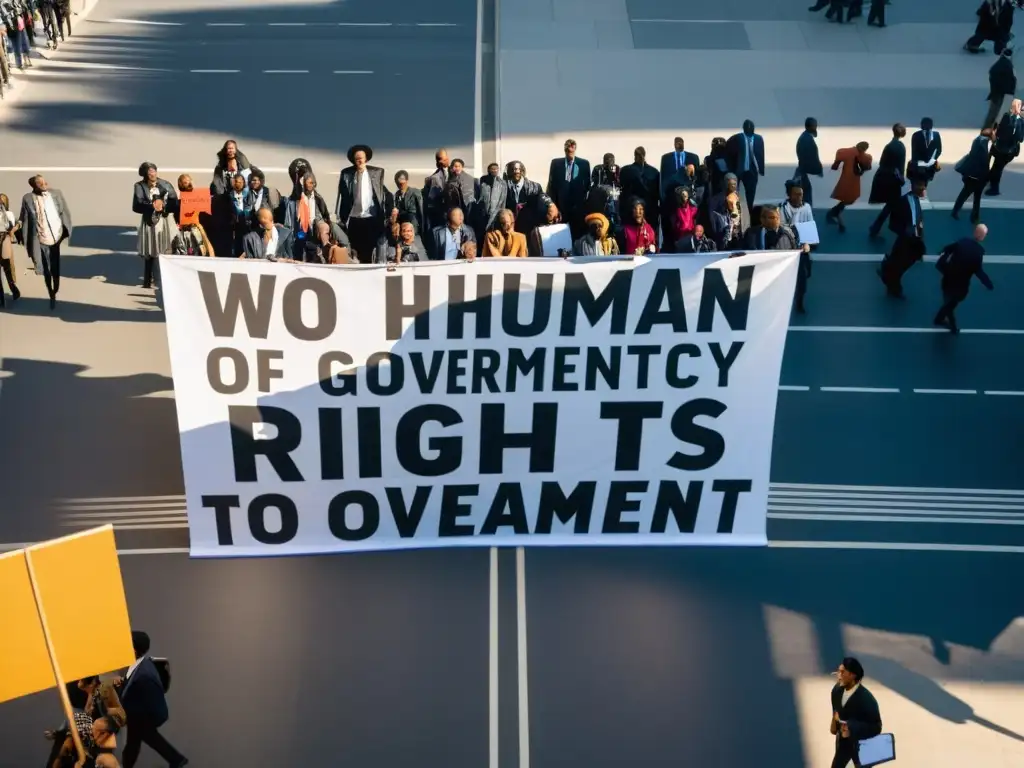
{"points": [[24, 663], [81, 599]]}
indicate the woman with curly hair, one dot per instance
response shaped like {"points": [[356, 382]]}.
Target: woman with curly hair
{"points": [[155, 200]]}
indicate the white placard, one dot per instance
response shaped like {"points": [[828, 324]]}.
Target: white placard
{"points": [[512, 402], [808, 232], [878, 750], [553, 237]]}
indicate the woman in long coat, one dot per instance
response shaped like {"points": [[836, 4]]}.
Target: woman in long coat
{"points": [[854, 161], [156, 200]]}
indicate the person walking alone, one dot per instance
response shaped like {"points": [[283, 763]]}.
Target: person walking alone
{"points": [[1002, 83], [1006, 145], [974, 169], [958, 263], [143, 697]]}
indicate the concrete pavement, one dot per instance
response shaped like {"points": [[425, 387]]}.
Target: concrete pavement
{"points": [[600, 657]]}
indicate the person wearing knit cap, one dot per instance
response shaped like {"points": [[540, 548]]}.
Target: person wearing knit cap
{"points": [[855, 713], [596, 242]]}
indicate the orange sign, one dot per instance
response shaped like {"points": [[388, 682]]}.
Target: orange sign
{"points": [[192, 204]]}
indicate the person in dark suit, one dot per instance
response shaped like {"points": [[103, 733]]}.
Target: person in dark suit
{"points": [[145, 704], [995, 22], [855, 713], [958, 263], [45, 221], [771, 235], [642, 181], [407, 203], [746, 160], [491, 196], [925, 146], [808, 162], [673, 174], [271, 242], [887, 183], [876, 14], [1002, 82], [568, 185], [523, 197], [1006, 145], [907, 223], [446, 243], [973, 169], [433, 187], [362, 201]]}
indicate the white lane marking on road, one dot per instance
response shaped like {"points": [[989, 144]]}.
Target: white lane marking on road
{"points": [[945, 391], [898, 546], [897, 329], [286, 24], [194, 169], [365, 24], [121, 499], [1003, 393], [353, 72], [993, 492], [139, 22], [106, 67], [857, 258], [792, 388], [875, 390], [225, 23], [213, 72], [285, 71], [493, 729], [885, 511], [890, 519], [521, 649], [897, 499]]}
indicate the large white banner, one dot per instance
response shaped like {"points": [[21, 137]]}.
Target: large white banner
{"points": [[495, 402]]}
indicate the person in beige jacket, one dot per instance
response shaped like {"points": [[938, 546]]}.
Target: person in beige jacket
{"points": [[503, 240]]}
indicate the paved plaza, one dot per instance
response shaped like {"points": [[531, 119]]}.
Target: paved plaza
{"points": [[897, 508]]}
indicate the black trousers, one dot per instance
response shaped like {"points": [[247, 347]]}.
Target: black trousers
{"points": [[151, 271], [877, 12], [49, 255], [883, 216], [805, 185], [363, 234], [749, 181], [896, 263], [971, 187], [803, 272], [999, 162], [140, 733], [7, 271], [947, 312], [844, 756]]}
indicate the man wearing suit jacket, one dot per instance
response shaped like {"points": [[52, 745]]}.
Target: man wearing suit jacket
{"points": [[907, 223], [433, 190], [45, 224], [973, 169], [887, 183], [746, 160], [362, 201], [674, 174], [925, 146], [1006, 146], [642, 181], [523, 197], [568, 185], [855, 714], [145, 704], [958, 263], [808, 161], [270, 242], [446, 243]]}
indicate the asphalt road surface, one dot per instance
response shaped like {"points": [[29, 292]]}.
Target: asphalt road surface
{"points": [[897, 508]]}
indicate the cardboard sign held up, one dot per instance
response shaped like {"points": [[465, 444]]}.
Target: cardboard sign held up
{"points": [[192, 204]]}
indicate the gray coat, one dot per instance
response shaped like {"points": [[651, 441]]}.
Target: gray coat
{"points": [[30, 224], [490, 202]]}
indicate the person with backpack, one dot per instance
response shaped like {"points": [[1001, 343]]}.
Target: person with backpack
{"points": [[143, 696]]}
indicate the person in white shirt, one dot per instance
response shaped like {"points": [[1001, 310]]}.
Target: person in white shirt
{"points": [[46, 224]]}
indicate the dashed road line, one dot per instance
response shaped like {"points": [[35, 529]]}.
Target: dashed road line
{"points": [[1003, 393], [874, 390], [146, 23], [945, 391], [900, 329]]}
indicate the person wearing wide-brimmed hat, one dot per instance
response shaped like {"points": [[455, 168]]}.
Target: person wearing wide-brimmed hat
{"points": [[362, 201]]}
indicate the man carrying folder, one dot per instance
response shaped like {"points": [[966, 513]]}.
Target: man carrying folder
{"points": [[855, 714]]}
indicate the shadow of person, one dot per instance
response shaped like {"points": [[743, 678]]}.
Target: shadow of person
{"points": [[73, 434], [928, 694], [114, 268], [102, 237], [76, 312]]}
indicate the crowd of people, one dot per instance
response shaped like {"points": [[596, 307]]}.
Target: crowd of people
{"points": [[102, 709], [19, 33]]}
